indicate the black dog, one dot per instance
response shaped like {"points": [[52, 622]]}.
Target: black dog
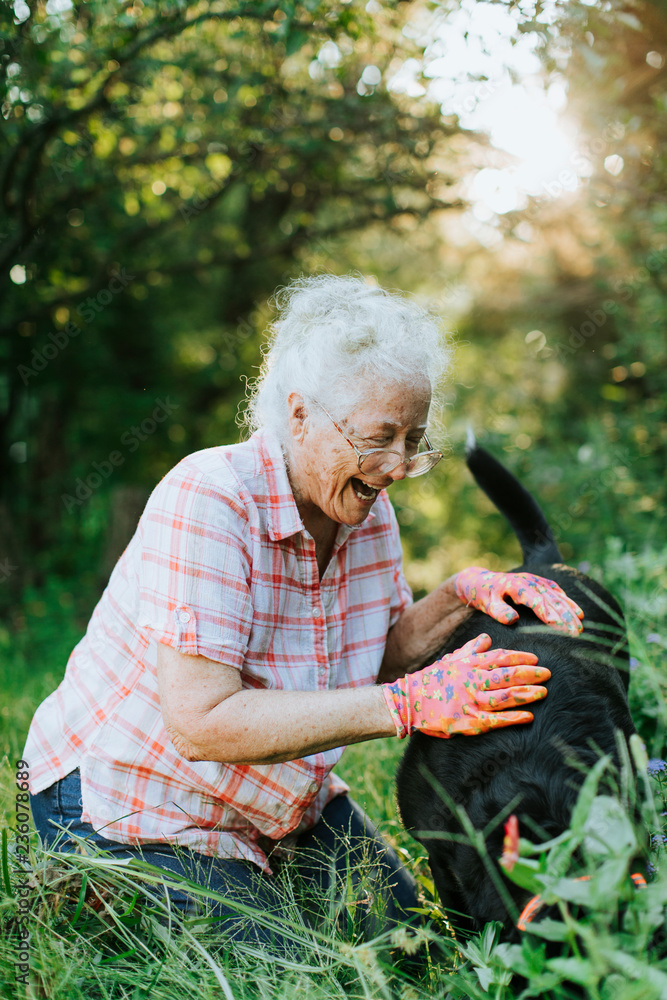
{"points": [[586, 703]]}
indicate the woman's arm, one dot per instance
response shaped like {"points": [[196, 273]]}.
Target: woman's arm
{"points": [[421, 630], [208, 715]]}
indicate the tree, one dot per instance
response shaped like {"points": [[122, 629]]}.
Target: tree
{"points": [[163, 168], [563, 362]]}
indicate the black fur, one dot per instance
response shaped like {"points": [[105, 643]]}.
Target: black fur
{"points": [[585, 705]]}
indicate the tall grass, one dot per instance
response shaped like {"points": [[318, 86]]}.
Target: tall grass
{"points": [[101, 928]]}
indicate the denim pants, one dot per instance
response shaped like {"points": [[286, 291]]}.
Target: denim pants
{"points": [[327, 861]]}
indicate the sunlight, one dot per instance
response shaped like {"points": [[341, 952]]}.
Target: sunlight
{"points": [[489, 76], [526, 126]]}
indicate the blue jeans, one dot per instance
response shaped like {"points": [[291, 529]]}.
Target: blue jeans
{"points": [[327, 857]]}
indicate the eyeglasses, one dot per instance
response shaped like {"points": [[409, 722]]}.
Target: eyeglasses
{"points": [[380, 462]]}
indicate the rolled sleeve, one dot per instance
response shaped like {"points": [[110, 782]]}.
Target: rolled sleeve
{"points": [[194, 576]]}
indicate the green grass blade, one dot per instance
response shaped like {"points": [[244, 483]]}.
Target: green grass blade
{"points": [[5, 863], [81, 900]]}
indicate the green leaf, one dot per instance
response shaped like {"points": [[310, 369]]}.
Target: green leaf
{"points": [[587, 794], [526, 875], [512, 956], [295, 41], [573, 890], [608, 830], [608, 879], [579, 970], [632, 968], [479, 949], [550, 930], [427, 883], [489, 938], [485, 977]]}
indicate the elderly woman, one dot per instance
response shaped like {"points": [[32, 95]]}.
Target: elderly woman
{"points": [[259, 621]]}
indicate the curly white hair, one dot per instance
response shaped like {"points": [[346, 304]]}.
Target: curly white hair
{"points": [[333, 337]]}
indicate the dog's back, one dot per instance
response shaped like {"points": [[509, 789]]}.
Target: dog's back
{"points": [[585, 705]]}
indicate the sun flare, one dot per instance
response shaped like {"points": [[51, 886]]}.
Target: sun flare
{"points": [[489, 76], [545, 155]]}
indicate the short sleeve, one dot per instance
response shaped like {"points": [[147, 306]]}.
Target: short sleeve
{"points": [[195, 567], [402, 594]]}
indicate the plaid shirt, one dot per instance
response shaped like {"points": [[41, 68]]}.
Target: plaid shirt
{"points": [[220, 565]]}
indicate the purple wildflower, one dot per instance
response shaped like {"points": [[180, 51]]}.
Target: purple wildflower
{"points": [[658, 840], [634, 663], [653, 637], [655, 766]]}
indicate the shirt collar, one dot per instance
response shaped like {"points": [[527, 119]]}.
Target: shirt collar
{"points": [[283, 518]]}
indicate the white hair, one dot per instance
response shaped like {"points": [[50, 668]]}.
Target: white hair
{"points": [[334, 336]]}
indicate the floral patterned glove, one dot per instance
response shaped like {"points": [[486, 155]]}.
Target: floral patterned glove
{"points": [[465, 691], [482, 589]]}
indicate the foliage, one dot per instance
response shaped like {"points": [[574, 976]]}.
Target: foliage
{"points": [[583, 326], [100, 928], [165, 167], [116, 944], [601, 933]]}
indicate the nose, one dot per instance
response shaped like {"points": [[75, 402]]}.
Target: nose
{"points": [[399, 472]]}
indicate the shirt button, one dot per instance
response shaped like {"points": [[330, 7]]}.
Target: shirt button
{"points": [[316, 612], [184, 616], [313, 786]]}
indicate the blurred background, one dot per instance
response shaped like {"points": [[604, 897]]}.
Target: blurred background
{"points": [[167, 165]]}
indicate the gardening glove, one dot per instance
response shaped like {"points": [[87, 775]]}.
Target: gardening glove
{"points": [[465, 691], [482, 589]]}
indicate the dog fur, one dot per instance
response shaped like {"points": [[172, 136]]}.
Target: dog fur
{"points": [[586, 704]]}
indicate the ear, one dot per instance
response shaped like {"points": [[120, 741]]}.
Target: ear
{"points": [[297, 415]]}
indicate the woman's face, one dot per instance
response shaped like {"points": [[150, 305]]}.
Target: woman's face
{"points": [[323, 467]]}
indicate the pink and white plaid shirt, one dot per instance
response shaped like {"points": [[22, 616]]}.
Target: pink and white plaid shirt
{"points": [[220, 565]]}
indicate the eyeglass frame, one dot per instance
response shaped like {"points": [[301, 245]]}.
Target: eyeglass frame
{"points": [[361, 455]]}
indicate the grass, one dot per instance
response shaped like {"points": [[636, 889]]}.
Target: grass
{"points": [[94, 933]]}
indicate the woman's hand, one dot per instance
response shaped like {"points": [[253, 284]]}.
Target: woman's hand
{"points": [[466, 691], [482, 589]]}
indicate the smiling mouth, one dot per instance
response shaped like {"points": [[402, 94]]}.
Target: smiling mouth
{"points": [[363, 491]]}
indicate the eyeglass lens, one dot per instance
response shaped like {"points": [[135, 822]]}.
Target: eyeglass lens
{"points": [[384, 462]]}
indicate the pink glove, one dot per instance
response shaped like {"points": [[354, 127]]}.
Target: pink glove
{"points": [[451, 695], [482, 589]]}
